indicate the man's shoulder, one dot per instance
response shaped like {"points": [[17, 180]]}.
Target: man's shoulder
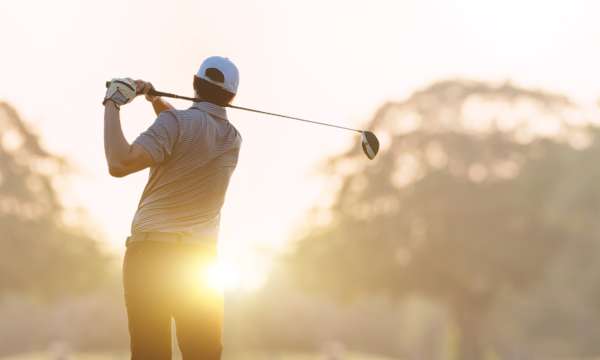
{"points": [[180, 112], [238, 134], [190, 113]]}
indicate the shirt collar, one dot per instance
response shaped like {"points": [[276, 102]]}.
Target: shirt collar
{"points": [[215, 110]]}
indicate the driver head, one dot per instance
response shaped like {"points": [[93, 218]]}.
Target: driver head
{"points": [[370, 144]]}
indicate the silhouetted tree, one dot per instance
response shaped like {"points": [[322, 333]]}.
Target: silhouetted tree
{"points": [[470, 196], [39, 254]]}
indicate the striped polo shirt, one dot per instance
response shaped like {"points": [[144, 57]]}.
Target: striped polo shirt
{"points": [[195, 151]]}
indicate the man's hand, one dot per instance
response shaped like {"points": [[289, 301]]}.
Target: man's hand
{"points": [[121, 91], [144, 87], [159, 105]]}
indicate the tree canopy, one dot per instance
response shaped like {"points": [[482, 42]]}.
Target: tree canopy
{"points": [[39, 254], [476, 190]]}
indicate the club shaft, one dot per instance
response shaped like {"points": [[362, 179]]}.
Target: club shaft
{"points": [[160, 93], [294, 118], [175, 96]]}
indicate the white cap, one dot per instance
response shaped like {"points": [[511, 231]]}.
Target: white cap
{"points": [[230, 72]]}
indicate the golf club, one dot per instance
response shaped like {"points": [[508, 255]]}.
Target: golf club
{"points": [[369, 142]]}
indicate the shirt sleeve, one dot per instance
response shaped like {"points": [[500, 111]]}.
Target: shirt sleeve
{"points": [[159, 139]]}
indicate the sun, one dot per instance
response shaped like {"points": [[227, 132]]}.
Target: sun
{"points": [[221, 276], [230, 273]]}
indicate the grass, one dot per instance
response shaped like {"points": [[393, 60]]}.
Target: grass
{"points": [[236, 356], [49, 356]]}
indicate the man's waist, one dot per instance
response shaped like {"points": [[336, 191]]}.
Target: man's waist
{"points": [[172, 237], [200, 229], [146, 220]]}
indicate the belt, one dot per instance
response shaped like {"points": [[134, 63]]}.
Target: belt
{"points": [[168, 237]]}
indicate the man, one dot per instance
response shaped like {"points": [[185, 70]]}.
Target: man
{"points": [[191, 155]]}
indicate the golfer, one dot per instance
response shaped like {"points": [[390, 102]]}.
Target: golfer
{"points": [[191, 155]]}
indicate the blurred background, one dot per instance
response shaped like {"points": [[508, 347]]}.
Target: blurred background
{"points": [[473, 235]]}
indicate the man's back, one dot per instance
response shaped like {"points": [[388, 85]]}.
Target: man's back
{"points": [[195, 152], [191, 155]]}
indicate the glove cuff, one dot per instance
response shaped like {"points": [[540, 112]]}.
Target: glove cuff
{"points": [[114, 102]]}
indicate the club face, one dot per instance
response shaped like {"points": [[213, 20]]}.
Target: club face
{"points": [[370, 144]]}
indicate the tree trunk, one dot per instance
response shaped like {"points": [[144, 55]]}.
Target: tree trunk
{"points": [[470, 319]]}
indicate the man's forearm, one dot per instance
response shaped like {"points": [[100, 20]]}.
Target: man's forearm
{"points": [[116, 146], [159, 105]]}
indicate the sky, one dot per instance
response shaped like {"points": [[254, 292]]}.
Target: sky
{"points": [[334, 61]]}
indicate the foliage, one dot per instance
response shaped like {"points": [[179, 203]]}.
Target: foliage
{"points": [[477, 189], [39, 254]]}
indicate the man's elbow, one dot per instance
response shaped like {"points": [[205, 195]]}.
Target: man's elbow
{"points": [[136, 160], [117, 171]]}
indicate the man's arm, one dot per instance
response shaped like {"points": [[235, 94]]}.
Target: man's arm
{"points": [[122, 158], [159, 105]]}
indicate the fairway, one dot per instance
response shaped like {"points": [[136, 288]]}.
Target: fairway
{"points": [[239, 356]]}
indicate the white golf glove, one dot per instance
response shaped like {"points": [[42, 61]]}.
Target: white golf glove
{"points": [[121, 91]]}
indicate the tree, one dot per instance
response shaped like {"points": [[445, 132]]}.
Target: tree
{"points": [[39, 254], [466, 200]]}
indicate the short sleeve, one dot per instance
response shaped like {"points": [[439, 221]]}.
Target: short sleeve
{"points": [[159, 140]]}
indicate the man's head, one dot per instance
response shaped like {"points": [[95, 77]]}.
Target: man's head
{"points": [[217, 80]]}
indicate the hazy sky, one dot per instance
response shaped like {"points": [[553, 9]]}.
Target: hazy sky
{"points": [[334, 61]]}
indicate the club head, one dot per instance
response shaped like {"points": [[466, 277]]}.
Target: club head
{"points": [[370, 144]]}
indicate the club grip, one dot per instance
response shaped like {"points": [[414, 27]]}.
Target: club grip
{"points": [[151, 92]]}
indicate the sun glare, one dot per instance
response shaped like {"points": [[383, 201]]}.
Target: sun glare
{"points": [[221, 276]]}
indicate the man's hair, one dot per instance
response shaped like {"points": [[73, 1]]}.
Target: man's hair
{"points": [[211, 92]]}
